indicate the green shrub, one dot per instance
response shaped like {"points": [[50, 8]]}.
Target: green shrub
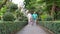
{"points": [[8, 17], [8, 27], [54, 26], [13, 7], [58, 16], [49, 18], [20, 16], [23, 18], [46, 17], [3, 10]]}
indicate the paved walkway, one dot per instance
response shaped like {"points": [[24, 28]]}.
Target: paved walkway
{"points": [[35, 29]]}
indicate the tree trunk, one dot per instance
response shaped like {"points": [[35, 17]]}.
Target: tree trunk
{"points": [[53, 10], [4, 2]]}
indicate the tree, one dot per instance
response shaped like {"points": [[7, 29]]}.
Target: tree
{"points": [[52, 6], [35, 5], [3, 3]]}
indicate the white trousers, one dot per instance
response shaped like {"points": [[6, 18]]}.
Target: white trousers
{"points": [[31, 22], [34, 22]]}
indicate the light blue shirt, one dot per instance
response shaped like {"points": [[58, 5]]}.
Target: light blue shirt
{"points": [[34, 16]]}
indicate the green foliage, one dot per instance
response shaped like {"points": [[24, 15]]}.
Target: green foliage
{"points": [[54, 26], [34, 5], [3, 10], [50, 4], [8, 17], [7, 27], [20, 16], [1, 1], [58, 16], [23, 18], [13, 7], [46, 17], [44, 6]]}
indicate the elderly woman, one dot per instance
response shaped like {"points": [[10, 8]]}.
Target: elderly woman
{"points": [[30, 19]]}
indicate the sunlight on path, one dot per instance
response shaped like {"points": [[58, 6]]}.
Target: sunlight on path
{"points": [[29, 29]]}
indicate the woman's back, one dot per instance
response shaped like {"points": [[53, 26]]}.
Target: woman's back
{"points": [[34, 16]]}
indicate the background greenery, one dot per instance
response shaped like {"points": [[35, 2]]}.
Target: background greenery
{"points": [[50, 7]]}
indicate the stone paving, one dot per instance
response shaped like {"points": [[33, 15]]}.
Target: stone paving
{"points": [[32, 29]]}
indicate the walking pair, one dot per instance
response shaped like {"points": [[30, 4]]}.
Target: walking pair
{"points": [[32, 18]]}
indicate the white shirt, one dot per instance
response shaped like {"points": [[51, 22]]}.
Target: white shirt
{"points": [[29, 16]]}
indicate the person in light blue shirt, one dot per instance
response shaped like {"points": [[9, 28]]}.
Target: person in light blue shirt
{"points": [[34, 16]]}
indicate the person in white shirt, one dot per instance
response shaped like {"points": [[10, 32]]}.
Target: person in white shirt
{"points": [[29, 16]]}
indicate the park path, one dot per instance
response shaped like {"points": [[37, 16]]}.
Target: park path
{"points": [[32, 29]]}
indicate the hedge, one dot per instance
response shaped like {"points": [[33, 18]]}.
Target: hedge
{"points": [[54, 26], [8, 27]]}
